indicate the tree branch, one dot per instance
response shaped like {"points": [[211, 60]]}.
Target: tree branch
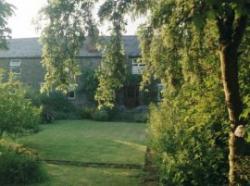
{"points": [[241, 24]]}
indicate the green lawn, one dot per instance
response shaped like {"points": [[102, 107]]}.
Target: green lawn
{"points": [[76, 176], [90, 141]]}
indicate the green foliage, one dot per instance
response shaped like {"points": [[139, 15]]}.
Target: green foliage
{"points": [[6, 10], [17, 114], [89, 83], [112, 72], [131, 115], [55, 106], [121, 8], [189, 135], [87, 112], [101, 115], [115, 114], [244, 169], [140, 117], [19, 165], [178, 45], [244, 77], [67, 23]]}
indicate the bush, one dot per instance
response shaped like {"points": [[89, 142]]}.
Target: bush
{"points": [[141, 117], [55, 106], [17, 113], [19, 165], [187, 153], [101, 115], [139, 114], [87, 112], [130, 116]]}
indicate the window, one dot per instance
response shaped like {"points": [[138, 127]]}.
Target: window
{"points": [[15, 66], [131, 96], [159, 91], [137, 67], [71, 95]]}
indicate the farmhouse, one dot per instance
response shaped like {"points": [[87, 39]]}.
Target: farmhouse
{"points": [[23, 58]]}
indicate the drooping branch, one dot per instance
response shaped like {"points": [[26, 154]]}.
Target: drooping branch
{"points": [[111, 74], [67, 24]]}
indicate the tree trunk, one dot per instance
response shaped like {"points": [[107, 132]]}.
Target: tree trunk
{"points": [[231, 31], [229, 70]]}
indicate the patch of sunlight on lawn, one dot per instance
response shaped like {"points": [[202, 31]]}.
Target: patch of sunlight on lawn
{"points": [[136, 146], [90, 141]]}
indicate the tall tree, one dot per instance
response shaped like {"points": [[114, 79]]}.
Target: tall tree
{"points": [[112, 72], [67, 24], [178, 24], [6, 10]]}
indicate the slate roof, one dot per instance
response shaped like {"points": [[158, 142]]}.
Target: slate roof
{"points": [[31, 48]]}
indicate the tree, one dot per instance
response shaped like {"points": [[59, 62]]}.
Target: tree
{"points": [[182, 27], [112, 71], [6, 10], [17, 114], [180, 39], [67, 24]]}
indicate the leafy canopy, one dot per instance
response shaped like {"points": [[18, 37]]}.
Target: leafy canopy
{"points": [[179, 46], [17, 114], [6, 10], [67, 24], [112, 71]]}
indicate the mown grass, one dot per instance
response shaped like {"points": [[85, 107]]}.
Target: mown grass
{"points": [[90, 141], [60, 175]]}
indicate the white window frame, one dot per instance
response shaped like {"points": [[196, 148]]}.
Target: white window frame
{"points": [[159, 91], [15, 63], [71, 98], [137, 67]]}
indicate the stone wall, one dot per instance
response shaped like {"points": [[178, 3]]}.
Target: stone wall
{"points": [[32, 74]]}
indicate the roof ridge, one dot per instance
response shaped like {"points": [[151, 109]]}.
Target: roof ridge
{"points": [[24, 38], [31, 47]]}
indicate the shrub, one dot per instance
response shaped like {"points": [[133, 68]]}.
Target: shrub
{"points": [[244, 168], [87, 112], [19, 165], [101, 115], [58, 105], [138, 114], [187, 154], [141, 117], [47, 114], [17, 114], [55, 106], [130, 116]]}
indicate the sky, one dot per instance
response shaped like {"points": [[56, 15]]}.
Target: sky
{"points": [[22, 23]]}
